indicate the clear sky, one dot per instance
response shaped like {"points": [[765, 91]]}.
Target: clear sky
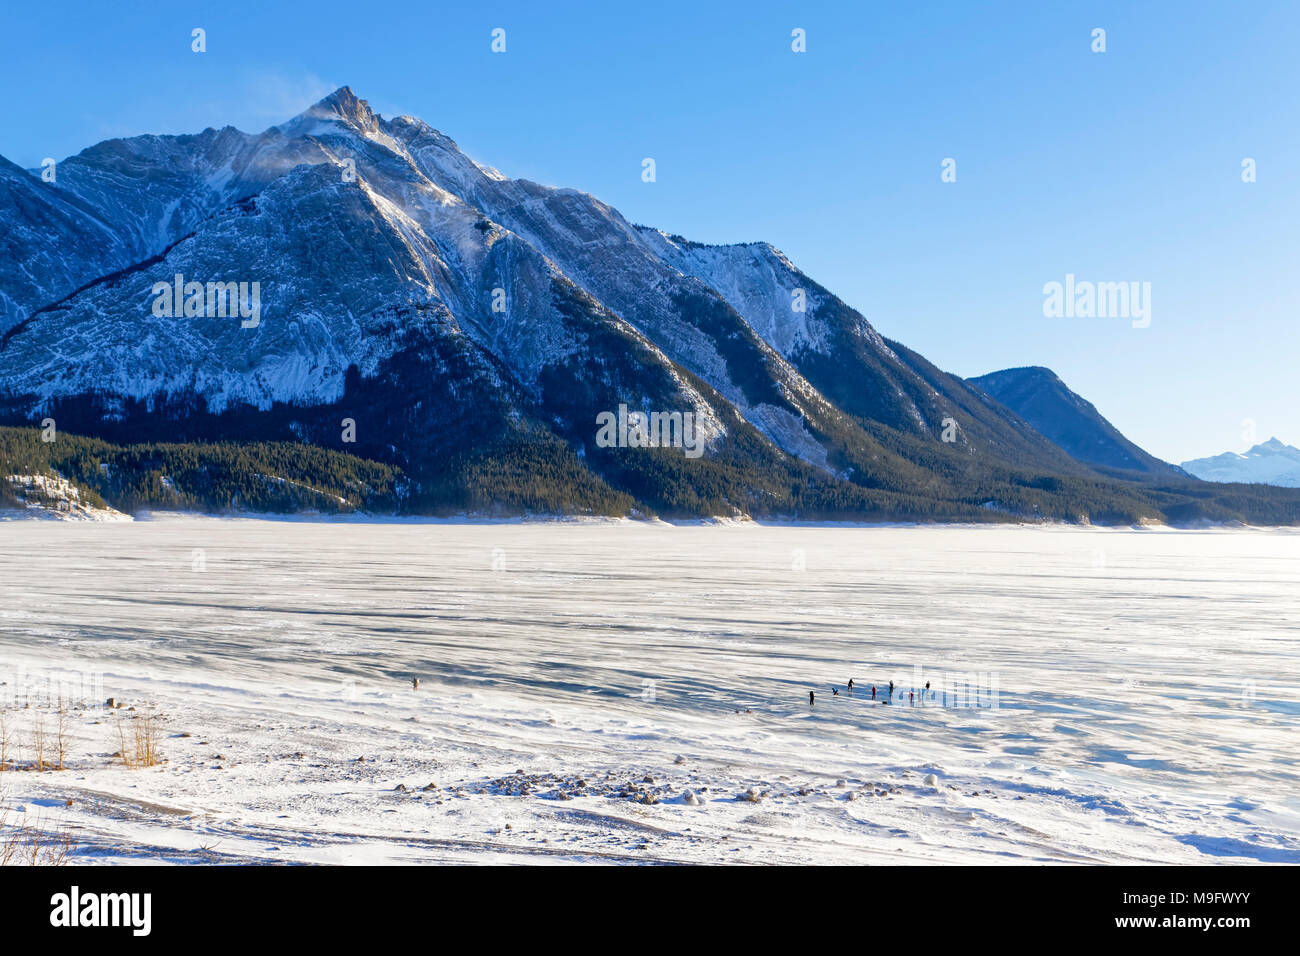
{"points": [[1117, 166]]}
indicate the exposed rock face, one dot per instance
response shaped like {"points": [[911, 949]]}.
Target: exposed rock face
{"points": [[347, 267]]}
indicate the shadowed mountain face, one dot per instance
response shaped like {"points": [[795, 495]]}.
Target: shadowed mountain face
{"points": [[379, 293], [1069, 420]]}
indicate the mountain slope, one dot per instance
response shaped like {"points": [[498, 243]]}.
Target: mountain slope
{"points": [[418, 309], [51, 244], [1069, 420]]}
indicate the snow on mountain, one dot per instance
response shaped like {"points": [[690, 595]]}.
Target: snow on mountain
{"points": [[51, 243], [757, 281], [422, 227], [405, 257], [51, 497], [1269, 463], [458, 315]]}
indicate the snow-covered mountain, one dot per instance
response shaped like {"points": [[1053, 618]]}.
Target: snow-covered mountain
{"points": [[422, 230], [458, 317], [1272, 462]]}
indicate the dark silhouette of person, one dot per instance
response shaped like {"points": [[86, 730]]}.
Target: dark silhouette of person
{"points": [[873, 691], [891, 690], [850, 685], [811, 699]]}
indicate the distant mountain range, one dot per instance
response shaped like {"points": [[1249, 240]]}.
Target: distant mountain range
{"points": [[358, 284], [1271, 463]]}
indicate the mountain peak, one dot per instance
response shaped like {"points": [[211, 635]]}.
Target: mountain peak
{"points": [[1273, 444], [1038, 395], [344, 105], [1272, 462]]}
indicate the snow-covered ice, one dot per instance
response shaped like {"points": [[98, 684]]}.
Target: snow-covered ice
{"points": [[639, 692]]}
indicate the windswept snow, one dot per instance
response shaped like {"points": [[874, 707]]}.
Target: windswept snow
{"points": [[634, 692]]}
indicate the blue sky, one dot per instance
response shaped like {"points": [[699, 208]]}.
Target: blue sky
{"points": [[1115, 166]]}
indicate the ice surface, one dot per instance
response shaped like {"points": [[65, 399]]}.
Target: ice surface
{"points": [[1146, 690]]}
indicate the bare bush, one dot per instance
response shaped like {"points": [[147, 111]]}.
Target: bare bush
{"points": [[4, 738], [138, 746], [61, 734], [38, 742], [24, 844]]}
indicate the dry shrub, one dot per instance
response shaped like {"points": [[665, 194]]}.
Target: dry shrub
{"points": [[23, 844], [61, 735], [138, 746], [38, 742], [4, 739]]}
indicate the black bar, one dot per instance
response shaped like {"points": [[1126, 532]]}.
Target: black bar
{"points": [[960, 905]]}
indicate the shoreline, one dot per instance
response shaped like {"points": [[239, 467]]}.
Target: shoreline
{"points": [[470, 520]]}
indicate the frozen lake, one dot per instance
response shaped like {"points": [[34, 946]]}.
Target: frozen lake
{"points": [[1137, 690]]}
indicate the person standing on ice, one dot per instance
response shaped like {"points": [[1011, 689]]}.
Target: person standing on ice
{"points": [[850, 686], [911, 698], [891, 690], [811, 699], [873, 691]]}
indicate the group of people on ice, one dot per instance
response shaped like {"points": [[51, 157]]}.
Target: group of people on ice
{"points": [[888, 697]]}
